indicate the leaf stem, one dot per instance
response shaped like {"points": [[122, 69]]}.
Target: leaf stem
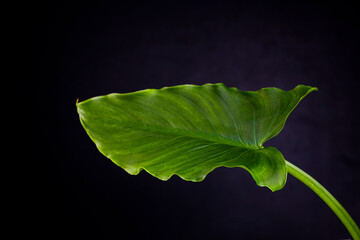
{"points": [[339, 210]]}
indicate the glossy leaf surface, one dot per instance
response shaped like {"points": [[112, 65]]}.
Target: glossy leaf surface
{"points": [[190, 130]]}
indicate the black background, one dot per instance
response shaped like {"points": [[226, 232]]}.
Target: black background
{"points": [[82, 50]]}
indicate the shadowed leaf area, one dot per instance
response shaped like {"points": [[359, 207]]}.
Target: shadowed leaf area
{"points": [[190, 130]]}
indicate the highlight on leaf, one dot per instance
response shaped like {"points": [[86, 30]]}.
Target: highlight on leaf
{"points": [[190, 130]]}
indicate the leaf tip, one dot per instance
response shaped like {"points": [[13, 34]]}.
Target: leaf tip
{"points": [[313, 89]]}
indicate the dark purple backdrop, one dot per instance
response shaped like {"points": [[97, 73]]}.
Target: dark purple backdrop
{"points": [[89, 49]]}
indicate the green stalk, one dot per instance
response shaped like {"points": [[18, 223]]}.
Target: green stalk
{"points": [[339, 210]]}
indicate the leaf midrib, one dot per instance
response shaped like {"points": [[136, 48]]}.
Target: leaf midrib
{"points": [[188, 133]]}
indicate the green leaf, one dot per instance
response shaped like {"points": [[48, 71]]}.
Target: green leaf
{"points": [[190, 130]]}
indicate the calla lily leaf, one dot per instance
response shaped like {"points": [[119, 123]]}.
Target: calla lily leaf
{"points": [[190, 130]]}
